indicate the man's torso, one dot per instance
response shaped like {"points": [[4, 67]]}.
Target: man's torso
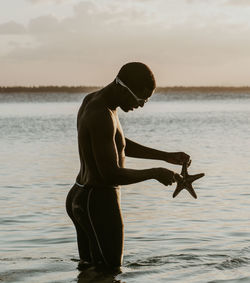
{"points": [[92, 105]]}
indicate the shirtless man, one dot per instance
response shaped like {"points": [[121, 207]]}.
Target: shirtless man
{"points": [[93, 203]]}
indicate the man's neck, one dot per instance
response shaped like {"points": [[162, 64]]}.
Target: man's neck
{"points": [[110, 96]]}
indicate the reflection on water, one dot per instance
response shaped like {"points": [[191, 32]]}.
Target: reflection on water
{"points": [[166, 240], [98, 276]]}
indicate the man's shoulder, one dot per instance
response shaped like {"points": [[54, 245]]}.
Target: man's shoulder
{"points": [[97, 120], [91, 105], [96, 114], [99, 115]]}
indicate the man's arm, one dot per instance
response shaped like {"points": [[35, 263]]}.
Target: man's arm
{"points": [[136, 150], [102, 133]]}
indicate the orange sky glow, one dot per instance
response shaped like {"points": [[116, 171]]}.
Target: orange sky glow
{"points": [[76, 42]]}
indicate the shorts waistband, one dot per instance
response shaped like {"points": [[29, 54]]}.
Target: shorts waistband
{"points": [[84, 187], [93, 187], [79, 185]]}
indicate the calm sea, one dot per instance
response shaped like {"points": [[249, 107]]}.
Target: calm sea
{"points": [[166, 239]]}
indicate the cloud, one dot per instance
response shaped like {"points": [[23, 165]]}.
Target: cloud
{"points": [[100, 37], [239, 2], [12, 28], [92, 32], [196, 1], [42, 1], [44, 25]]}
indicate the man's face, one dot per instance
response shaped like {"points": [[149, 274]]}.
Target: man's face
{"points": [[133, 101]]}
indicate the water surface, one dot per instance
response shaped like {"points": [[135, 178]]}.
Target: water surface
{"points": [[166, 239]]}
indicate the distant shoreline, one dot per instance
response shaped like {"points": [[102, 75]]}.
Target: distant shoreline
{"points": [[40, 89], [84, 89]]}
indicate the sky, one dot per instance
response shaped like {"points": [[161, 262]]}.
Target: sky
{"points": [[85, 42]]}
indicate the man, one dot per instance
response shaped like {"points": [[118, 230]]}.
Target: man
{"points": [[93, 203]]}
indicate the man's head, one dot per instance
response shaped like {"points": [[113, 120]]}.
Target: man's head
{"points": [[137, 83]]}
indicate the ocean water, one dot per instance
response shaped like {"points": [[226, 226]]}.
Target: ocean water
{"points": [[166, 239]]}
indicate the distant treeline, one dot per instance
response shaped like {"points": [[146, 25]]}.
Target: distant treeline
{"points": [[203, 89], [67, 89], [84, 89]]}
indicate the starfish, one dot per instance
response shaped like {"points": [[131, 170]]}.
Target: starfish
{"points": [[186, 182]]}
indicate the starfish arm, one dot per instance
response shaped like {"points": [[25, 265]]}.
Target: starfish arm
{"points": [[191, 190], [192, 178], [176, 192], [178, 189]]}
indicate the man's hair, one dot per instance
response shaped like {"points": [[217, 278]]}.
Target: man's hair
{"points": [[137, 76]]}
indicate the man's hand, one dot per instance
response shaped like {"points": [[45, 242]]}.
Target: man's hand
{"points": [[165, 176], [178, 158]]}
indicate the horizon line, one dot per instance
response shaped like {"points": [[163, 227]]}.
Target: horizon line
{"points": [[79, 88], [96, 86]]}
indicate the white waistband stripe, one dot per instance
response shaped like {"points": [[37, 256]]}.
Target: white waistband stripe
{"points": [[79, 185]]}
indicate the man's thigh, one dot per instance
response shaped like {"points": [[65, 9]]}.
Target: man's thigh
{"points": [[107, 225]]}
